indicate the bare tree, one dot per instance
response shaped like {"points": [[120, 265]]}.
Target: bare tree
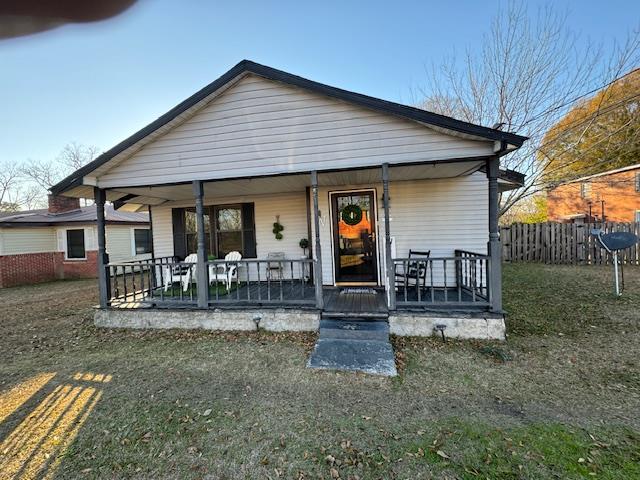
{"points": [[75, 155], [25, 186], [528, 73], [48, 173], [10, 180], [15, 192]]}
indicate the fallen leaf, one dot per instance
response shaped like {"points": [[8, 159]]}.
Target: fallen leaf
{"points": [[440, 453], [207, 412]]}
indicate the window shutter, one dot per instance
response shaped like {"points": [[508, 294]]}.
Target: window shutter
{"points": [[248, 231], [179, 245]]}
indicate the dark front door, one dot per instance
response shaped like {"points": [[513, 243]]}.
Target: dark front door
{"points": [[354, 238]]}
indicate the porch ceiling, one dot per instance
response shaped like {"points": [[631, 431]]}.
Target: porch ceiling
{"points": [[135, 197]]}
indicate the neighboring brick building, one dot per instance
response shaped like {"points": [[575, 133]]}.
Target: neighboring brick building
{"points": [[60, 242], [614, 194]]}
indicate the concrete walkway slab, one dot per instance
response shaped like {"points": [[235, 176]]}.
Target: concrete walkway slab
{"points": [[354, 346]]}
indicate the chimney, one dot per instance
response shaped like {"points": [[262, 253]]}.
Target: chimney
{"points": [[60, 204]]}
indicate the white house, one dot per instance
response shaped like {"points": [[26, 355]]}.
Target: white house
{"points": [[399, 207], [61, 242]]}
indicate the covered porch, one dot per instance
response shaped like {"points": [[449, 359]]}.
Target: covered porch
{"points": [[451, 278]]}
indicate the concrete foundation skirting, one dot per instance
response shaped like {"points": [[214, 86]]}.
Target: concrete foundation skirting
{"points": [[423, 325], [278, 320]]}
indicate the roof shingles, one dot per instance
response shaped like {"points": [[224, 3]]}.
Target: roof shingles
{"points": [[85, 215]]}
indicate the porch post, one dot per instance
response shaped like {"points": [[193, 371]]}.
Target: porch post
{"points": [[387, 239], [494, 249], [201, 268], [103, 280], [317, 280]]}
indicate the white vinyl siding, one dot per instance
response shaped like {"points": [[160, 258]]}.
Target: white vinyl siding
{"points": [[263, 127], [293, 217], [162, 227], [440, 215], [27, 240], [120, 243]]}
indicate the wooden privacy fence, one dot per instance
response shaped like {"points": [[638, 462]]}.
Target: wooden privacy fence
{"points": [[563, 243]]}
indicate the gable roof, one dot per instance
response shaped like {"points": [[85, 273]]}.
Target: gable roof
{"points": [[84, 215], [246, 66]]}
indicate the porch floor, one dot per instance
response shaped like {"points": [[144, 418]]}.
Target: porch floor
{"points": [[275, 294], [339, 300]]}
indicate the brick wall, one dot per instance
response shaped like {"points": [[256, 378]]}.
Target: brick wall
{"points": [[30, 268], [60, 204], [618, 191], [78, 268]]}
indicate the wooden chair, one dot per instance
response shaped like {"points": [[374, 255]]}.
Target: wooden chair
{"points": [[225, 272], [275, 269], [416, 270]]}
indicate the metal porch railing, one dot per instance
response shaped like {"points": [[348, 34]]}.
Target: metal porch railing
{"points": [[458, 281]]}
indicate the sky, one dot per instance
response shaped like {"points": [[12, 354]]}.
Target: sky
{"points": [[98, 83]]}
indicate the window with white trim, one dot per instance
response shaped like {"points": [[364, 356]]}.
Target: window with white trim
{"points": [[75, 244], [585, 189], [142, 241], [637, 182], [637, 216]]}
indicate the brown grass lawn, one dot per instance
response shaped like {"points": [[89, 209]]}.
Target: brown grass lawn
{"points": [[559, 399]]}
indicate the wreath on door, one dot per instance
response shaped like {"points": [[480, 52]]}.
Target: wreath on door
{"points": [[351, 214]]}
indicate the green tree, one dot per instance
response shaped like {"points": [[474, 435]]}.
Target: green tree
{"points": [[532, 209], [599, 134]]}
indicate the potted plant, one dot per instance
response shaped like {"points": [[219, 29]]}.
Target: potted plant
{"points": [[304, 244]]}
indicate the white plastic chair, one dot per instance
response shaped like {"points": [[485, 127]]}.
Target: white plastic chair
{"points": [[225, 272], [182, 274]]}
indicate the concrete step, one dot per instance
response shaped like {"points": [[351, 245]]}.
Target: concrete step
{"points": [[369, 356], [344, 329], [356, 316]]}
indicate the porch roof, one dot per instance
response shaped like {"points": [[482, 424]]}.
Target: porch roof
{"points": [[134, 198]]}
